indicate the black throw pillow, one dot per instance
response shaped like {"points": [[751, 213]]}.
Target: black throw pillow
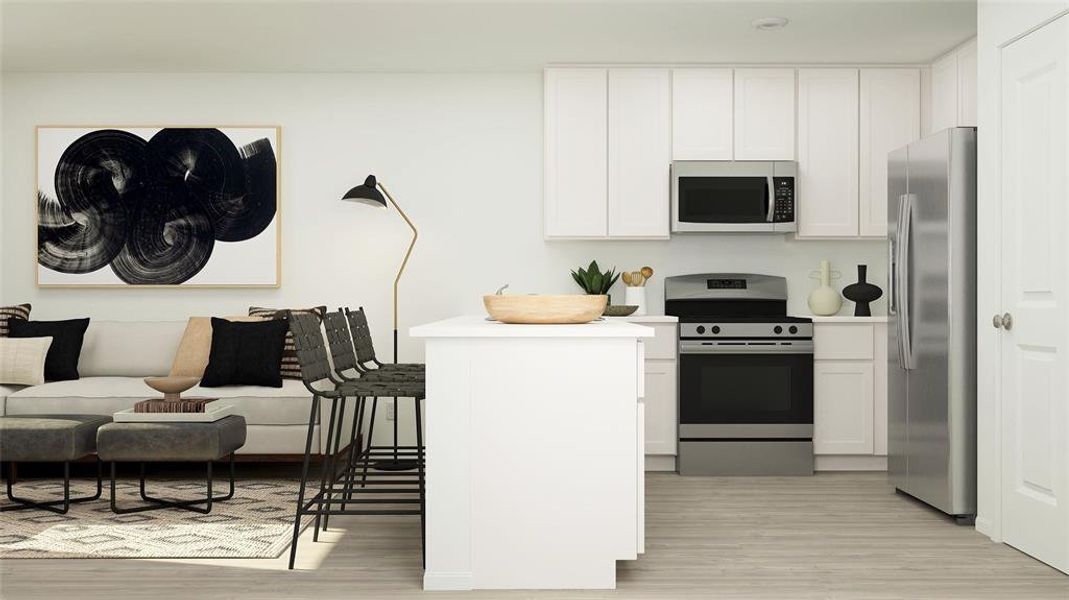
{"points": [[61, 362], [245, 353]]}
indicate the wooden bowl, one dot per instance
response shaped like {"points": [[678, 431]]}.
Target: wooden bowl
{"points": [[171, 387], [545, 310]]}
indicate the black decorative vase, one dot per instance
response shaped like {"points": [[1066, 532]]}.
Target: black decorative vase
{"points": [[862, 293]]}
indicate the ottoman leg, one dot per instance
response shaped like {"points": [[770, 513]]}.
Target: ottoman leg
{"points": [[51, 505], [159, 503]]}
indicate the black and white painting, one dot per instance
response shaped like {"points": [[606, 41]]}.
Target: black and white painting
{"points": [[171, 206]]}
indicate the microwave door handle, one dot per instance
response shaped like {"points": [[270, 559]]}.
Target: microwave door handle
{"points": [[771, 200]]}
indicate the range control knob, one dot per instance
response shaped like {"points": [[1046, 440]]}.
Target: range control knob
{"points": [[792, 329], [700, 329], [716, 329], [777, 329]]}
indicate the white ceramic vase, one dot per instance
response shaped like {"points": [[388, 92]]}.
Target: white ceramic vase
{"points": [[636, 296], [825, 301]]}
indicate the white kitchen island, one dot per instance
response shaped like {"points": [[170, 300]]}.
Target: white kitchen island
{"points": [[534, 453]]}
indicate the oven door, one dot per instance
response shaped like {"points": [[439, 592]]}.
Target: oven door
{"points": [[746, 389]]}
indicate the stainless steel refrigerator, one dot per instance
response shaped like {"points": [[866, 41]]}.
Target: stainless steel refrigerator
{"points": [[931, 227]]}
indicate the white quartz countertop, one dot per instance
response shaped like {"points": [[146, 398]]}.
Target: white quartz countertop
{"points": [[847, 319], [477, 326], [645, 319]]}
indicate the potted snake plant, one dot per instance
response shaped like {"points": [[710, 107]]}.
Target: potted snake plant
{"points": [[594, 281]]}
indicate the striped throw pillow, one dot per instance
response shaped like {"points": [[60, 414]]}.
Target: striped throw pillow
{"points": [[18, 311], [291, 368]]}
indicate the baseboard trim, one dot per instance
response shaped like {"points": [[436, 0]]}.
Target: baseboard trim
{"points": [[987, 527], [836, 462], [446, 581], [661, 462]]}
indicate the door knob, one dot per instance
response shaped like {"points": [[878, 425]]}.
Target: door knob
{"points": [[1007, 321], [996, 321]]}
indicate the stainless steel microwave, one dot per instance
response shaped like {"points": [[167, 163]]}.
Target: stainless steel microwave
{"points": [[743, 196]]}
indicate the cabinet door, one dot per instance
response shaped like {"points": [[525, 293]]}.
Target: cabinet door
{"points": [[967, 85], [576, 153], [944, 91], [764, 114], [890, 119], [842, 407], [702, 114], [640, 152], [660, 401], [827, 153], [879, 390]]}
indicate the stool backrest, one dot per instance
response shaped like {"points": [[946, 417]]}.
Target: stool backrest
{"points": [[365, 349], [311, 350], [340, 343]]}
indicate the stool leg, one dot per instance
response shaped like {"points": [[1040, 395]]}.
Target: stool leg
{"points": [[358, 427], [422, 485], [370, 439], [304, 480], [323, 469], [333, 460]]}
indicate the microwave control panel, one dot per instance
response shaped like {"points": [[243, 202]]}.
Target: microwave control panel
{"points": [[784, 195]]}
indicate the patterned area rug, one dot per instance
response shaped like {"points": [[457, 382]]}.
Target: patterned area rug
{"points": [[256, 523]]}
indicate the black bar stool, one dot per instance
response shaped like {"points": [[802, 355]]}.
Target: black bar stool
{"points": [[392, 489]]}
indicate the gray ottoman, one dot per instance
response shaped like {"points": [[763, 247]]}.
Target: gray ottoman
{"points": [[171, 442], [49, 438]]}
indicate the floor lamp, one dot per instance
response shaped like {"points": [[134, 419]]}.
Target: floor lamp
{"points": [[373, 193]]}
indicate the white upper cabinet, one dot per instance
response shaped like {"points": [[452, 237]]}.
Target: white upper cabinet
{"points": [[576, 153], [827, 153], [764, 114], [702, 114], [890, 118], [952, 101], [944, 92], [640, 152], [967, 85]]}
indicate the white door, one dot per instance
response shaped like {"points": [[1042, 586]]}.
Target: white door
{"points": [[764, 114], [842, 407], [890, 118], [827, 153], [702, 114], [640, 152], [576, 153], [1035, 284]]}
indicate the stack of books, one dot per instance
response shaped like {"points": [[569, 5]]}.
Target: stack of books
{"points": [[184, 405]]}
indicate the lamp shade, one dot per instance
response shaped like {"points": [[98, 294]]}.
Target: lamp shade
{"points": [[368, 193]]}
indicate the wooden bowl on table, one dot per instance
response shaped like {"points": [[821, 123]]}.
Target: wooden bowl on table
{"points": [[171, 387], [545, 310]]}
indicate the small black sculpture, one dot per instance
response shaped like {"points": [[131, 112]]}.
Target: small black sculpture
{"points": [[862, 293]]}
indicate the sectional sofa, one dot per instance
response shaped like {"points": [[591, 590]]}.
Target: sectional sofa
{"points": [[117, 355]]}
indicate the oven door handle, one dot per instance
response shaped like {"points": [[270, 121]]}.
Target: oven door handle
{"points": [[795, 347]]}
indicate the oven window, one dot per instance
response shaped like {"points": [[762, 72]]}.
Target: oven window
{"points": [[736, 388], [723, 199]]}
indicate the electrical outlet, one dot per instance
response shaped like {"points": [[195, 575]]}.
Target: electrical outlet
{"points": [[391, 410]]}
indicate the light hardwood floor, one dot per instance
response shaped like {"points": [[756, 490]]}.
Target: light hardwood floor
{"points": [[845, 535]]}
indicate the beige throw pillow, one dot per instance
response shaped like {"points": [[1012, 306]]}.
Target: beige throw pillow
{"points": [[22, 360], [196, 346]]}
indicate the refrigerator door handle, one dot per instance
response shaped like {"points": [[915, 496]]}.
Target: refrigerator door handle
{"points": [[905, 329]]}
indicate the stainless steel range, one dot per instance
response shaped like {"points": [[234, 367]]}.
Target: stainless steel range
{"points": [[745, 376]]}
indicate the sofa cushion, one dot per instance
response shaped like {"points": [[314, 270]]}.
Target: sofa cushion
{"points": [[287, 405], [61, 362], [18, 311], [134, 349], [245, 354], [193, 351], [40, 438]]}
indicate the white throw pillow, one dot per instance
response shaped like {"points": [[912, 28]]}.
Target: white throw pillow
{"points": [[22, 360]]}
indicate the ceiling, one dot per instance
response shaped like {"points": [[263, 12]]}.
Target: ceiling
{"points": [[485, 35]]}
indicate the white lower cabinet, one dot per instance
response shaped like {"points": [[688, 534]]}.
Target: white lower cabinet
{"points": [[850, 390], [660, 380]]}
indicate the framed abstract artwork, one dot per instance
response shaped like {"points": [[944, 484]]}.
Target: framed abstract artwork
{"points": [[158, 206]]}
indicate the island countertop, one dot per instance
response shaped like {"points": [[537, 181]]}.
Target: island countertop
{"points": [[478, 326]]}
